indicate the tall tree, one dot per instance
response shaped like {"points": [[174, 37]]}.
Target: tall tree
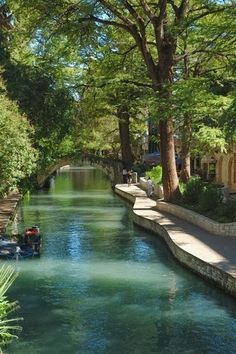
{"points": [[207, 52], [113, 80]]}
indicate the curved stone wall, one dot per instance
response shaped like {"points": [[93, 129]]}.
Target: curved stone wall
{"points": [[147, 217]]}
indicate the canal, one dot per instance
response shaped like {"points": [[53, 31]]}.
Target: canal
{"points": [[103, 285]]}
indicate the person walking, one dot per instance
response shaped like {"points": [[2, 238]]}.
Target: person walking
{"points": [[149, 187], [129, 177], [124, 174]]}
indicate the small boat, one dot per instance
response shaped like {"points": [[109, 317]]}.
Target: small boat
{"points": [[23, 246], [32, 238]]}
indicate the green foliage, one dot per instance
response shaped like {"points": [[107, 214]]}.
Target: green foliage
{"points": [[64, 34], [182, 187], [8, 328], [210, 205], [209, 140], [224, 212], [17, 155], [192, 190], [228, 121], [49, 105], [209, 198], [155, 174]]}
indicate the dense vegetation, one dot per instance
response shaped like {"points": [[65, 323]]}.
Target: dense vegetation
{"points": [[17, 155], [101, 75]]}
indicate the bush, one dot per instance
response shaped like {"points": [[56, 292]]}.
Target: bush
{"points": [[209, 198], [155, 174], [193, 189], [225, 212]]}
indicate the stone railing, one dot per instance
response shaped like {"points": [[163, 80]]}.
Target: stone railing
{"points": [[216, 228]]}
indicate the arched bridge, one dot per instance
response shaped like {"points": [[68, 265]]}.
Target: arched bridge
{"points": [[112, 167]]}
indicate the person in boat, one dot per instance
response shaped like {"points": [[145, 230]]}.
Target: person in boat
{"points": [[34, 230], [31, 234]]}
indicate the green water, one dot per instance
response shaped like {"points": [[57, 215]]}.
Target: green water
{"points": [[103, 285]]}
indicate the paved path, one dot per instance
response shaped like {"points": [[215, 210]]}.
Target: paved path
{"points": [[219, 252], [7, 209]]}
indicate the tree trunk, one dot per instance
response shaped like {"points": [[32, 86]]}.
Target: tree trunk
{"points": [[166, 50], [185, 149], [126, 152], [169, 174], [185, 166]]}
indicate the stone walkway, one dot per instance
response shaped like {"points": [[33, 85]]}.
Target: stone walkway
{"points": [[213, 257], [7, 209]]}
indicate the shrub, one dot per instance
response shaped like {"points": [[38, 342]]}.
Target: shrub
{"points": [[182, 187], [8, 325], [225, 212], [209, 198], [155, 174], [192, 190]]}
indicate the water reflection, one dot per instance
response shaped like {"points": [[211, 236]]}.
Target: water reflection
{"points": [[103, 285]]}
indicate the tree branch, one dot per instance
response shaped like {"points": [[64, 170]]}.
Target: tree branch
{"points": [[174, 7], [147, 9], [204, 14], [114, 11], [162, 13], [109, 82], [108, 22]]}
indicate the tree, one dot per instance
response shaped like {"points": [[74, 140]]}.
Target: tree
{"points": [[197, 109], [109, 90], [17, 155], [207, 52], [48, 104], [155, 28]]}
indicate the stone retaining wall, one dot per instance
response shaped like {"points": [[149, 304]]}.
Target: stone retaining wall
{"points": [[216, 228], [212, 273], [209, 272]]}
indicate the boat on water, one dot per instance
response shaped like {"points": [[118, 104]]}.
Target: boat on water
{"points": [[27, 245]]}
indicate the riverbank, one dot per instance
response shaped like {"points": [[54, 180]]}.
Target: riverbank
{"points": [[210, 256], [7, 209]]}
